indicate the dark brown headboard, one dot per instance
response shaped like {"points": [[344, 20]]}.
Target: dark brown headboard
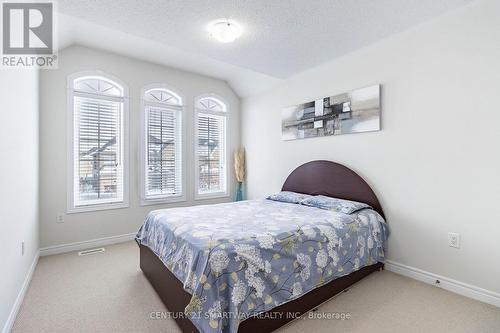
{"points": [[333, 180]]}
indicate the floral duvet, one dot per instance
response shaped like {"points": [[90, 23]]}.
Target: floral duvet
{"points": [[241, 259]]}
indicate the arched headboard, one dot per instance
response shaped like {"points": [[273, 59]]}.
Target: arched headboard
{"points": [[333, 180]]}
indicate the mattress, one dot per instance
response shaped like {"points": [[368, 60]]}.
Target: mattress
{"points": [[241, 259]]}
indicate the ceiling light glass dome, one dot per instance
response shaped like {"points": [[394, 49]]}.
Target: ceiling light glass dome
{"points": [[224, 30]]}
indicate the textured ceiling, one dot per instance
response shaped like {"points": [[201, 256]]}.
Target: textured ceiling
{"points": [[280, 38], [75, 31]]}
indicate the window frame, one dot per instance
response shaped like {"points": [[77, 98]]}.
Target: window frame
{"points": [[225, 115], [70, 165], [143, 149]]}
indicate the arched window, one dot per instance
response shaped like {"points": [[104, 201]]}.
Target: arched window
{"points": [[210, 148], [97, 142], [163, 96], [162, 146], [210, 104]]}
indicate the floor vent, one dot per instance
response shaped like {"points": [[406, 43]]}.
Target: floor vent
{"points": [[91, 251]]}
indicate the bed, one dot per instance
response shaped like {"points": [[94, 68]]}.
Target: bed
{"points": [[258, 264]]}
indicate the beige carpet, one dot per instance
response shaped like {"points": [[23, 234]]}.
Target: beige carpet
{"points": [[107, 292]]}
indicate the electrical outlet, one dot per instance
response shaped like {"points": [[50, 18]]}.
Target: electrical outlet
{"points": [[454, 240], [60, 218], [22, 248]]}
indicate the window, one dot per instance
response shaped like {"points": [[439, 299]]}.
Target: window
{"points": [[97, 146], [162, 146], [210, 147]]}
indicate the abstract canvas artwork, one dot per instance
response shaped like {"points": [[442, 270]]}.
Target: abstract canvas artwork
{"points": [[353, 112]]}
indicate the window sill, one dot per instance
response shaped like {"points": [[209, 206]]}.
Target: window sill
{"points": [[151, 202], [97, 207], [208, 196]]}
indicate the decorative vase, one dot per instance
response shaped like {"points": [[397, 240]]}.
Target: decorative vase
{"points": [[239, 192]]}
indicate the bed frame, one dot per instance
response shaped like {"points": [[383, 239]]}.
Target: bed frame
{"points": [[316, 177]]}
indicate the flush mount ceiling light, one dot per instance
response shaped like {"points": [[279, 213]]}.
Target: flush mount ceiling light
{"points": [[224, 30]]}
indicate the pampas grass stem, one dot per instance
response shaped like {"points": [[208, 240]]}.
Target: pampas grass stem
{"points": [[239, 164]]}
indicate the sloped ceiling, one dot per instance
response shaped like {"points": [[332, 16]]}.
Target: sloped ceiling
{"points": [[281, 38]]}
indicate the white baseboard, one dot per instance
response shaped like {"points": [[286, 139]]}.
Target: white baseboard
{"points": [[20, 296], [455, 286], [79, 246]]}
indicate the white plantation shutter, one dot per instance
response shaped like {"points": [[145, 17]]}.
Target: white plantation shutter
{"points": [[210, 146], [98, 143], [163, 145]]}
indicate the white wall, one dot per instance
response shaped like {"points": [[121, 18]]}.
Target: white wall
{"points": [[136, 74], [18, 182], [435, 165]]}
